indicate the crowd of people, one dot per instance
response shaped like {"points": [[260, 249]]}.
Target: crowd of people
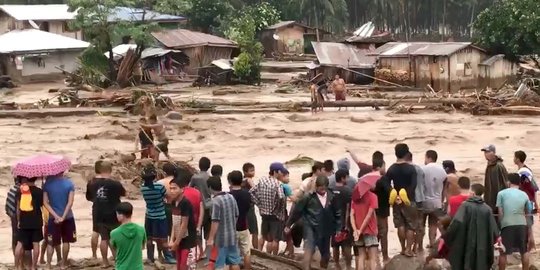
{"points": [[189, 217]]}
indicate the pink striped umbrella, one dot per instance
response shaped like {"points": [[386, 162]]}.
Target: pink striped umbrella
{"points": [[41, 165]]}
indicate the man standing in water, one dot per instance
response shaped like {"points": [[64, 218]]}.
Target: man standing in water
{"points": [[339, 89], [496, 176], [403, 176], [159, 130], [58, 196]]}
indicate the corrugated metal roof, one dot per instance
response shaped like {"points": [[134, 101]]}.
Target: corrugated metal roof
{"points": [[342, 55], [135, 14], [182, 38], [225, 64], [285, 24], [121, 50], [400, 49], [60, 13], [39, 12], [32, 40], [490, 61]]}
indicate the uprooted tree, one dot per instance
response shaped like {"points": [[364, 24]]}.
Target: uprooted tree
{"points": [[101, 26]]}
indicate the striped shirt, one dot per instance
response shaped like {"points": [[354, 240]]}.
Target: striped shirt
{"points": [[225, 211], [155, 201], [11, 201]]}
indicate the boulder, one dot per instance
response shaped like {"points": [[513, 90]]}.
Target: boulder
{"points": [[401, 262], [172, 115]]}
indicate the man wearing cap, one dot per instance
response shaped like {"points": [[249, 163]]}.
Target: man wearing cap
{"points": [[496, 176], [268, 196]]}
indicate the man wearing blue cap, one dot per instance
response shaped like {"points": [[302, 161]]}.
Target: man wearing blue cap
{"points": [[496, 176], [268, 195]]}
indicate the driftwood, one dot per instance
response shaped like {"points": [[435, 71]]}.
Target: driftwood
{"points": [[225, 91], [283, 260], [126, 67], [59, 112], [519, 110]]}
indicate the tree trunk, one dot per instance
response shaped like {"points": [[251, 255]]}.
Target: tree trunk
{"points": [[316, 23]]}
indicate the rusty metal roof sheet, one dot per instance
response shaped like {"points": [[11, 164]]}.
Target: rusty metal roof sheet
{"points": [[182, 38], [342, 55], [400, 49]]}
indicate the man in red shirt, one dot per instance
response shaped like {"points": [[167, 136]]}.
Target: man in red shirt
{"points": [[363, 218], [195, 198], [454, 202]]}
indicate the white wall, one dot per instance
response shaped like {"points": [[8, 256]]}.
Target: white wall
{"points": [[65, 60]]}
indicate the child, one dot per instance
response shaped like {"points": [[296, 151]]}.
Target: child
{"points": [[454, 202], [184, 233], [439, 250]]}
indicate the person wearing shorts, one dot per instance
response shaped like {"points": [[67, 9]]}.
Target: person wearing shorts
{"points": [[29, 233], [155, 222], [513, 206], [58, 196], [223, 235], [243, 201], [105, 194]]}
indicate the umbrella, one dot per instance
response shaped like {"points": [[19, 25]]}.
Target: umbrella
{"points": [[41, 165], [365, 184]]}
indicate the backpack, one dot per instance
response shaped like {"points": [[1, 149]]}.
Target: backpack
{"points": [[25, 204]]}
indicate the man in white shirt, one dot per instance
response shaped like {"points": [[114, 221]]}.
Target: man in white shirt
{"points": [[431, 209]]}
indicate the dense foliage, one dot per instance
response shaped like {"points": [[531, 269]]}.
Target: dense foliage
{"points": [[242, 27], [511, 27]]}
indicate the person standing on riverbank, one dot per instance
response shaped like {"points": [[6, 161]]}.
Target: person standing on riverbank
{"points": [[248, 183], [513, 207], [58, 197], [403, 176], [128, 240], [199, 181], [266, 195], [496, 176], [105, 194]]}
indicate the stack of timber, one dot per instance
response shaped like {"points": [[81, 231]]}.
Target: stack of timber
{"points": [[402, 77]]}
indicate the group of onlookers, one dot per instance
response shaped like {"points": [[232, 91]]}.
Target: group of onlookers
{"points": [[331, 209]]}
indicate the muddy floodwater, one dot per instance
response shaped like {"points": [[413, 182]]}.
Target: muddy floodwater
{"points": [[230, 140]]}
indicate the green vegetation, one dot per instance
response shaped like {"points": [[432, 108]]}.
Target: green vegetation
{"points": [[511, 27], [242, 28]]}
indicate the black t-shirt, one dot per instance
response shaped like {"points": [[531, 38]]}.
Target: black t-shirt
{"points": [[32, 219], [382, 190], [403, 176], [186, 209], [343, 198], [243, 200], [105, 194]]}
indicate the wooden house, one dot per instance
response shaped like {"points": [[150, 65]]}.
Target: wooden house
{"points": [[289, 37]]}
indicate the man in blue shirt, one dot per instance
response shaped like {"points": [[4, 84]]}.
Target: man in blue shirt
{"points": [[58, 195], [513, 205]]}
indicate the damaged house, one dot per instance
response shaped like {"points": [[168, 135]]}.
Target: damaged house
{"points": [[342, 59], [200, 48], [448, 66], [289, 37], [34, 55]]}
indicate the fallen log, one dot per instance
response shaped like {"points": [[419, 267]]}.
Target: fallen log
{"points": [[283, 260], [388, 102], [385, 88], [59, 112], [240, 111], [519, 110], [222, 92]]}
